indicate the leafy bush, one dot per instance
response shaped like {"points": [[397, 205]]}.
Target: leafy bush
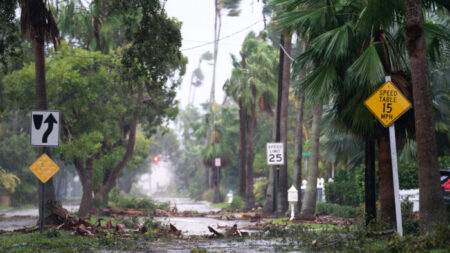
{"points": [[337, 210], [260, 187], [410, 226], [117, 198], [237, 203], [8, 182], [344, 190], [195, 191], [209, 195]]}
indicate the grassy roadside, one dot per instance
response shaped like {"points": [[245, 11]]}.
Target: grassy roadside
{"points": [[220, 205], [63, 241]]}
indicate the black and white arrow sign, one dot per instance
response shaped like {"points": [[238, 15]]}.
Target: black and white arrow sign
{"points": [[45, 128]]}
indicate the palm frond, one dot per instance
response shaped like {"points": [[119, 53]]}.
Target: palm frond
{"points": [[367, 70]]}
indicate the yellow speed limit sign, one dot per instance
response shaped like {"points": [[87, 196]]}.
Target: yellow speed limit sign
{"points": [[387, 104]]}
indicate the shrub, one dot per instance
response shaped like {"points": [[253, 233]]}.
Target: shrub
{"points": [[208, 195], [337, 210], [260, 187], [344, 190], [119, 199], [237, 203], [410, 226], [195, 191]]}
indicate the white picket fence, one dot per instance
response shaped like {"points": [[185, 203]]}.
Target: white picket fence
{"points": [[320, 189], [411, 195]]}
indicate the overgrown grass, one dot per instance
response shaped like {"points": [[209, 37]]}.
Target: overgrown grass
{"points": [[220, 205], [4, 207], [63, 241]]}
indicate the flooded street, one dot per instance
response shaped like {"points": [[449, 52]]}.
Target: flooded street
{"points": [[194, 228]]}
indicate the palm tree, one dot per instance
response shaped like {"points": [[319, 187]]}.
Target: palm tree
{"points": [[38, 25], [250, 84], [197, 76], [432, 208]]}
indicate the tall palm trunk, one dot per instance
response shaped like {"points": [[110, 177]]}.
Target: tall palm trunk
{"points": [[283, 182], [432, 208], [387, 200], [369, 185], [268, 203], [298, 157], [309, 203], [243, 120], [299, 135], [242, 148], [249, 194], [217, 28], [41, 104]]}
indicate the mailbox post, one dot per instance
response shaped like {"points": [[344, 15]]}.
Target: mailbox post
{"points": [[230, 196], [292, 198]]}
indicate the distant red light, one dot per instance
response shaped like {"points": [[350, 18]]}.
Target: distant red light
{"points": [[155, 158]]}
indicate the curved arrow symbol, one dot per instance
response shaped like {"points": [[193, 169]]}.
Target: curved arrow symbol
{"points": [[50, 121]]}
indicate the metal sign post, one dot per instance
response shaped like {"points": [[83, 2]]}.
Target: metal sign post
{"points": [[393, 144], [44, 168], [398, 210], [218, 163], [41, 230], [388, 104], [275, 156]]}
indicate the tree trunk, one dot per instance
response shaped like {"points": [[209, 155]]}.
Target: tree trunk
{"points": [[86, 174], [299, 136], [114, 174], [309, 204], [432, 208], [283, 181], [387, 200], [268, 203], [242, 148], [249, 194], [216, 186], [298, 158], [369, 185], [41, 104]]}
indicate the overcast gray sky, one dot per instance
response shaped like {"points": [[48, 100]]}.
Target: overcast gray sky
{"points": [[197, 17]]}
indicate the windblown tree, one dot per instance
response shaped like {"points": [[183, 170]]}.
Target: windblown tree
{"points": [[197, 77], [352, 53], [142, 79]]}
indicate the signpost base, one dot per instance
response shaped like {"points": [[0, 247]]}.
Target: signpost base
{"points": [[42, 208], [398, 213]]}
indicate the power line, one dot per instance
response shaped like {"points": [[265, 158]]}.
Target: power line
{"points": [[225, 37]]}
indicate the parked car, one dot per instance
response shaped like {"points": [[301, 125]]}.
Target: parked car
{"points": [[445, 184]]}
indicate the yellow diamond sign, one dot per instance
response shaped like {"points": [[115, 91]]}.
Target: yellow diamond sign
{"points": [[387, 104], [44, 168]]}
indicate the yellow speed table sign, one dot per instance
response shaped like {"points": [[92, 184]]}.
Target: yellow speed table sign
{"points": [[44, 168], [387, 104]]}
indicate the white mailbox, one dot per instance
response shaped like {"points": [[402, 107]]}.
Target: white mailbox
{"points": [[292, 194]]}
